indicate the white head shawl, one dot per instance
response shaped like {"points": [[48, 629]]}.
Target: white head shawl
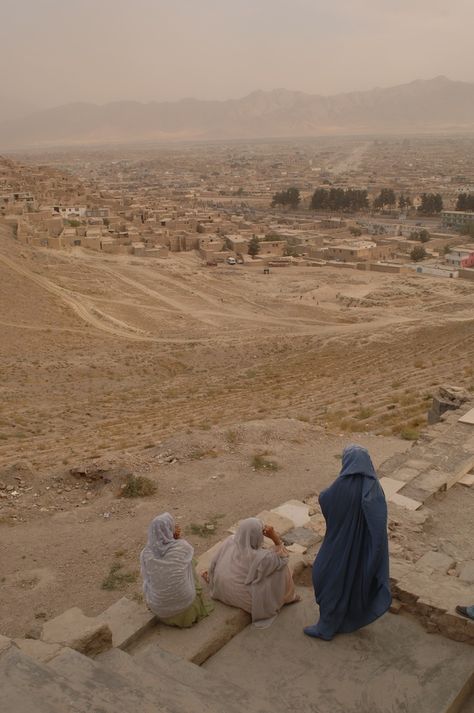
{"points": [[161, 534], [167, 569]]}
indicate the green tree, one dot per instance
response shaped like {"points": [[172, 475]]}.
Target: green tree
{"points": [[431, 203], [404, 202], [291, 197], [339, 199], [465, 201], [254, 246], [422, 235], [385, 199], [418, 253]]}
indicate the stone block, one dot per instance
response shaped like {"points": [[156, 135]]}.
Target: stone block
{"points": [[206, 558], [281, 523], [400, 569], [38, 650], [391, 486], [455, 627], [296, 562], [294, 510], [461, 470], [318, 524], [404, 502], [199, 642], [412, 586], [302, 536], [413, 493], [467, 480], [435, 562], [432, 481], [406, 473], [395, 606], [468, 417], [418, 464], [77, 631], [466, 573], [296, 549], [127, 620]]}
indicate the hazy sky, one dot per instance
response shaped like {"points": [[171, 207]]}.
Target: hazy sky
{"points": [[56, 51]]}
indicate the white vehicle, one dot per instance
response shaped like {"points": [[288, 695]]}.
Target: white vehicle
{"points": [[231, 261]]}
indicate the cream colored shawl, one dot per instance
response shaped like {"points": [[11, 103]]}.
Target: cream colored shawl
{"points": [[244, 575]]}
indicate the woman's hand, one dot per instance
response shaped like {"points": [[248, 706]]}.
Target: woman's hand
{"points": [[270, 532], [177, 532]]}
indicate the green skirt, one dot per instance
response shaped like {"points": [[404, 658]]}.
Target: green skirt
{"points": [[199, 609]]}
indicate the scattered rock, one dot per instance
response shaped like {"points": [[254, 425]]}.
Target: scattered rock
{"points": [[301, 536], [92, 471]]}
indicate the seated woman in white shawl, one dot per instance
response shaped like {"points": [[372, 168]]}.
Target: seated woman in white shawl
{"points": [[170, 586], [245, 575]]}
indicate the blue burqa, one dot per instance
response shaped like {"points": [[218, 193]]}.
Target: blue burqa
{"points": [[350, 573]]}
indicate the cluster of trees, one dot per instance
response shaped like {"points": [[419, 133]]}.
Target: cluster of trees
{"points": [[350, 199], [353, 199], [291, 197], [387, 198], [431, 203], [422, 235], [465, 201]]}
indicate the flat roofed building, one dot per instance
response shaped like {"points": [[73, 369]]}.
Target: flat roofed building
{"points": [[457, 218], [461, 256]]}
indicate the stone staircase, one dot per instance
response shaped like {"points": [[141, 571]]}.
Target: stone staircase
{"points": [[114, 682], [388, 667], [124, 661]]}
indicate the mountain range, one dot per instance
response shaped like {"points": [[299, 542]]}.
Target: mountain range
{"points": [[421, 106]]}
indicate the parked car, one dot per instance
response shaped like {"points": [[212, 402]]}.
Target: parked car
{"points": [[231, 261]]}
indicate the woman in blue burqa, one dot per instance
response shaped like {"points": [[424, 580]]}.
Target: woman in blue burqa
{"points": [[350, 572]]}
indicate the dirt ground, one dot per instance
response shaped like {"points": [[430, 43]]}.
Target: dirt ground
{"points": [[135, 364]]}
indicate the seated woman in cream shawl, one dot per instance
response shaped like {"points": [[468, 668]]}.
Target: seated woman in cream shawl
{"points": [[245, 575], [170, 586]]}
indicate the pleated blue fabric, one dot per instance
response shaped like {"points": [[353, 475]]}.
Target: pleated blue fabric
{"points": [[351, 571]]}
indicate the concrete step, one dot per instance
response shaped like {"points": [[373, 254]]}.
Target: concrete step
{"points": [[154, 666], [28, 686], [391, 665], [200, 641], [163, 685]]}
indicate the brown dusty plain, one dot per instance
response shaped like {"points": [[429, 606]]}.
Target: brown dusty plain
{"points": [[136, 363]]}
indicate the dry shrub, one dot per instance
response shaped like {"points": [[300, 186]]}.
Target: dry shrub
{"points": [[137, 487], [259, 462]]}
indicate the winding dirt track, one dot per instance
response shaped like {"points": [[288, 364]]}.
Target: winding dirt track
{"points": [[188, 346]]}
